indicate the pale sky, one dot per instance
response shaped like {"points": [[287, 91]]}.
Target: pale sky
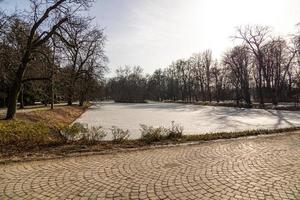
{"points": [[153, 33]]}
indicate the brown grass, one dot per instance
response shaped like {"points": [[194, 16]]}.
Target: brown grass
{"points": [[36, 128], [54, 119], [237, 134]]}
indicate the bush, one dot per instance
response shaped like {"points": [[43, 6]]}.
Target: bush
{"points": [[74, 131], [95, 133], [119, 135], [150, 134], [21, 133], [175, 132], [78, 131]]}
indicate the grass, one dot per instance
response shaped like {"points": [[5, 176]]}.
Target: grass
{"points": [[229, 135], [37, 128], [83, 147], [21, 133], [54, 119]]}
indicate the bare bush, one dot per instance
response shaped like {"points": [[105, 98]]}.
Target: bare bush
{"points": [[95, 133], [74, 131], [175, 131], [119, 135], [150, 134]]}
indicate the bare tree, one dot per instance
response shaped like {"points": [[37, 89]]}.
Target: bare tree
{"points": [[83, 50], [199, 76], [218, 78], [278, 57], [44, 20], [237, 62], [128, 86], [255, 37], [207, 62]]}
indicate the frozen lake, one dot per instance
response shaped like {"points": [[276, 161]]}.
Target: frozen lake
{"points": [[195, 119]]}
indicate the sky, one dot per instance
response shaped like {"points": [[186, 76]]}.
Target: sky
{"points": [[153, 33]]}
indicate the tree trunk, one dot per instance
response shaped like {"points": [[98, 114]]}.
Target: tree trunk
{"points": [[82, 99], [246, 92], [52, 88], [12, 100], [237, 96], [247, 97], [70, 96], [70, 102], [22, 98], [261, 98], [52, 98], [14, 92], [81, 102], [275, 96]]}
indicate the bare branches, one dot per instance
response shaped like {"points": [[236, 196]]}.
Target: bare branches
{"points": [[36, 79], [34, 31], [254, 36]]}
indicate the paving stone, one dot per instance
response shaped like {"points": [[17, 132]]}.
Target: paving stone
{"points": [[248, 168]]}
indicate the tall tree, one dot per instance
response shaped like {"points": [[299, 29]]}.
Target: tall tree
{"points": [[44, 20], [237, 62], [255, 37], [83, 45]]}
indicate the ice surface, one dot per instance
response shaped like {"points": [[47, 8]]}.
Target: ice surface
{"points": [[195, 119]]}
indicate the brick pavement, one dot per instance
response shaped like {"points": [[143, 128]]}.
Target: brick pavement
{"points": [[256, 168]]}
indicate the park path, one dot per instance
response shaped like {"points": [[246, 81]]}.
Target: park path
{"points": [[249, 168]]}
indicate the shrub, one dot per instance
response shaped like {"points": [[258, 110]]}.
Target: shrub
{"points": [[150, 134], [74, 131], [21, 133], [175, 132], [95, 133], [119, 135]]}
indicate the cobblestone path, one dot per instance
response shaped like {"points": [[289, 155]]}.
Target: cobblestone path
{"points": [[256, 168]]}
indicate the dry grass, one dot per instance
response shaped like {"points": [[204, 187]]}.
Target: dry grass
{"points": [[54, 119], [229, 135], [81, 147], [36, 128]]}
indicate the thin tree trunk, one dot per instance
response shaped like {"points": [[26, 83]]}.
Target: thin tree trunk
{"points": [[81, 101], [52, 75], [70, 102], [52, 95], [237, 96], [52, 86], [261, 98], [22, 97]]}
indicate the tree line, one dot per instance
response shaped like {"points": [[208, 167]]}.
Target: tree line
{"points": [[262, 68], [50, 52]]}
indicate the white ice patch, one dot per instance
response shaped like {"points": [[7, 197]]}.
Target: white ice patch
{"points": [[195, 119]]}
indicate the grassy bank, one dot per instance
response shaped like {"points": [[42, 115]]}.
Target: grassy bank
{"points": [[229, 135], [152, 138], [37, 128]]}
